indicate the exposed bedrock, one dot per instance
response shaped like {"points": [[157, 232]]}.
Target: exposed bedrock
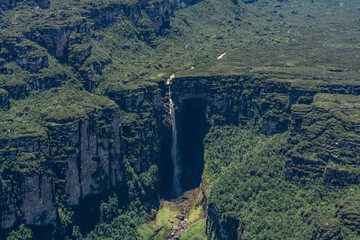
{"points": [[56, 39], [78, 160]]}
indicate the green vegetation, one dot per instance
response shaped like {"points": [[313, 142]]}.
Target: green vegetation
{"points": [[292, 63], [327, 125], [220, 151], [116, 223], [23, 233], [29, 117], [195, 232], [165, 218], [13, 127], [268, 38], [253, 199], [147, 231], [195, 212]]}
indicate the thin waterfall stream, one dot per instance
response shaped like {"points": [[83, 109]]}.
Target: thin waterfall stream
{"points": [[174, 146]]}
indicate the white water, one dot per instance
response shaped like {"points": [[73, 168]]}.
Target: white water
{"points": [[174, 150]]}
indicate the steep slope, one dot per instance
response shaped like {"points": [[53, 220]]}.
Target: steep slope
{"points": [[85, 125]]}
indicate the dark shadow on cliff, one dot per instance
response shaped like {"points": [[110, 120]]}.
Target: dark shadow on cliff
{"points": [[89, 212], [192, 127]]}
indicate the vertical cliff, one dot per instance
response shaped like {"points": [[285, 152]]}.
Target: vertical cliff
{"points": [[55, 167], [59, 160], [85, 109]]}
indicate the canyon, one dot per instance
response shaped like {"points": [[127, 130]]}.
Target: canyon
{"points": [[85, 158], [76, 127]]}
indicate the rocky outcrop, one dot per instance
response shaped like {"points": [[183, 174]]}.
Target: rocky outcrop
{"points": [[90, 162], [16, 92], [27, 194], [79, 159], [32, 63], [26, 54], [345, 219], [224, 97], [329, 127], [47, 82], [38, 201], [56, 39]]}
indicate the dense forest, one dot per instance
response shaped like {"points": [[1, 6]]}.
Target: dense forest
{"points": [[179, 119]]}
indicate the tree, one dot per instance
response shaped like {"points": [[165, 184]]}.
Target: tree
{"points": [[23, 233]]}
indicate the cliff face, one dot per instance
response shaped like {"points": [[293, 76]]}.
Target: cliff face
{"points": [[36, 202], [49, 175], [331, 134], [141, 124], [67, 34], [80, 159], [244, 100], [321, 122], [85, 158], [87, 154], [69, 159], [32, 194]]}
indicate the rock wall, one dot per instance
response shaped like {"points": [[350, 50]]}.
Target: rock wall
{"points": [[27, 190], [241, 100], [142, 121], [86, 154], [330, 130], [82, 159], [86, 158], [321, 121], [79, 159], [56, 39]]}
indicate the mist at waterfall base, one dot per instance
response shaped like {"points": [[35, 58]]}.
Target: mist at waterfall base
{"points": [[183, 165]]}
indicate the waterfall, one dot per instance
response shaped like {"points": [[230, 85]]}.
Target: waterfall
{"points": [[174, 148]]}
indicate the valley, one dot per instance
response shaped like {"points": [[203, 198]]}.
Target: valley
{"points": [[260, 143]]}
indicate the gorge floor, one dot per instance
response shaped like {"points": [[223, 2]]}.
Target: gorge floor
{"points": [[176, 216]]}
